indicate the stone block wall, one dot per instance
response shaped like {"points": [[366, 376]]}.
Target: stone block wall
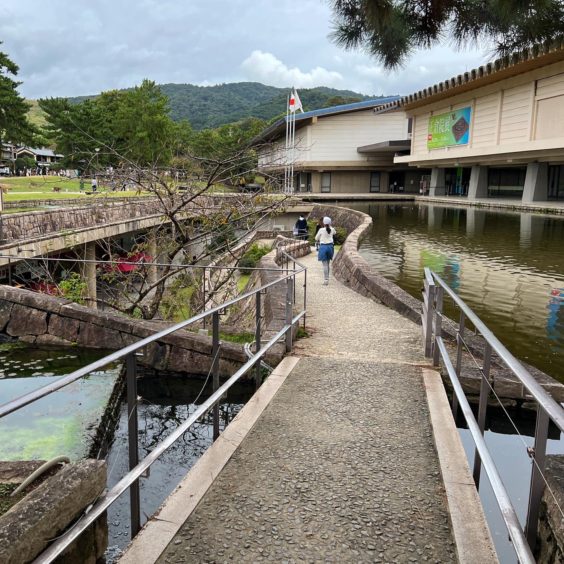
{"points": [[19, 226], [66, 203], [47, 320], [551, 522]]}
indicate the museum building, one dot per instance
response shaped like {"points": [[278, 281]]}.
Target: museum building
{"points": [[493, 132]]}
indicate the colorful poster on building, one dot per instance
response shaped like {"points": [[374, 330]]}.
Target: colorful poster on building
{"points": [[452, 128]]}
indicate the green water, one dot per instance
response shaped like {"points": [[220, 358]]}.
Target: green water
{"points": [[507, 266], [63, 423]]}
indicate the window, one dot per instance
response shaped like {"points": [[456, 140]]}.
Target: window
{"points": [[326, 182], [508, 182], [375, 182]]}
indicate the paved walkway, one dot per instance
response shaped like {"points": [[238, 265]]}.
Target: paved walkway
{"points": [[341, 466]]}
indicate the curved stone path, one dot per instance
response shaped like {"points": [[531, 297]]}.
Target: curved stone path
{"points": [[341, 466]]}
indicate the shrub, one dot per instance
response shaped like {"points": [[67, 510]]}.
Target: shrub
{"points": [[74, 287], [340, 235], [251, 258], [246, 264]]}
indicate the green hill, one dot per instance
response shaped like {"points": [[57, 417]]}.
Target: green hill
{"points": [[212, 106]]}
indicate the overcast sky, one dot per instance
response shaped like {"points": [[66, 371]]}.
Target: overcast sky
{"points": [[74, 47]]}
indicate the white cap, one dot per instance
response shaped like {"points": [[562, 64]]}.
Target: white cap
{"points": [[326, 221]]}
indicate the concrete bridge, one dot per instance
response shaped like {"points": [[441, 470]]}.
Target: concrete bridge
{"points": [[348, 453]]}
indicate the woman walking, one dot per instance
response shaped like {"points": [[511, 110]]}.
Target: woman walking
{"points": [[326, 247]]}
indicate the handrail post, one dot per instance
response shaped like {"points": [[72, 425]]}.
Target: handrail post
{"points": [[537, 479], [438, 322], [289, 304], [427, 321], [258, 318], [483, 407], [305, 297], [9, 272], [132, 437], [204, 295], [459, 340], [215, 370]]}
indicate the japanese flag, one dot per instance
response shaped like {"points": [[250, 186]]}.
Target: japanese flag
{"points": [[295, 102]]}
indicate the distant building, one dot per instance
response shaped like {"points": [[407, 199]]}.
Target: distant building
{"points": [[7, 154], [344, 149], [495, 131], [44, 158]]}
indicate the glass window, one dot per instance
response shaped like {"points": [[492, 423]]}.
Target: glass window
{"points": [[326, 182], [506, 182], [375, 182]]}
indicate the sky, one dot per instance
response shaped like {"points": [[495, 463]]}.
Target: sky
{"points": [[79, 47]]}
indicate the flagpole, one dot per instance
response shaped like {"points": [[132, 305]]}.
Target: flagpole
{"points": [[286, 171], [293, 145]]}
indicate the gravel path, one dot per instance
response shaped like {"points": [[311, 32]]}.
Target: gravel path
{"points": [[341, 467]]}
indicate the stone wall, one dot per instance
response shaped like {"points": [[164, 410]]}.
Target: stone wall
{"points": [[47, 320], [46, 512], [28, 225], [551, 522], [353, 270], [68, 203]]}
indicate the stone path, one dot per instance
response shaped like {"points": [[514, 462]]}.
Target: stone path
{"points": [[341, 466]]}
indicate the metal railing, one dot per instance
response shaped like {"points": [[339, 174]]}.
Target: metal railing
{"points": [[524, 541], [138, 468]]}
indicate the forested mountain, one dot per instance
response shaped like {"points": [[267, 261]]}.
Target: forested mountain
{"points": [[212, 106]]}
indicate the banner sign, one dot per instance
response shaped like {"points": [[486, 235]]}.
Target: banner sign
{"points": [[452, 128]]}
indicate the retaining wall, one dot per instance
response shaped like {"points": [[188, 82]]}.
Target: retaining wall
{"points": [[41, 319], [27, 225], [47, 320], [68, 202], [551, 524]]}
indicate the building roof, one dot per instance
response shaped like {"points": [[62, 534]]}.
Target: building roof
{"points": [[278, 127], [500, 69], [393, 146], [39, 152]]}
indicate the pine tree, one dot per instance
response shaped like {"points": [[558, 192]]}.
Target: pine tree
{"points": [[14, 125], [391, 30]]}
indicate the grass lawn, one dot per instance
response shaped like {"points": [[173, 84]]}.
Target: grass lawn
{"points": [[42, 188]]}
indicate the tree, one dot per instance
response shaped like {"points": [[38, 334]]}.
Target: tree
{"points": [[14, 125], [391, 30], [124, 125], [198, 223], [23, 163]]}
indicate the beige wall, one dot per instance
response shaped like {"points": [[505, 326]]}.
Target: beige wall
{"points": [[332, 141], [349, 182], [336, 138], [522, 114]]}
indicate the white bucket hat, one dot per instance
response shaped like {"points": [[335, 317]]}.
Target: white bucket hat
{"points": [[326, 221]]}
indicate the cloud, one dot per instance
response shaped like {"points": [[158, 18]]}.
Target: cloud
{"points": [[265, 67], [369, 71]]}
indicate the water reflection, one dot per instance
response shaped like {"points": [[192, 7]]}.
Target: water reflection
{"points": [[509, 451], [166, 403], [508, 266]]}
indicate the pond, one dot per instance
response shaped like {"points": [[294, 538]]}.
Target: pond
{"points": [[61, 424], [166, 402], [507, 266]]}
